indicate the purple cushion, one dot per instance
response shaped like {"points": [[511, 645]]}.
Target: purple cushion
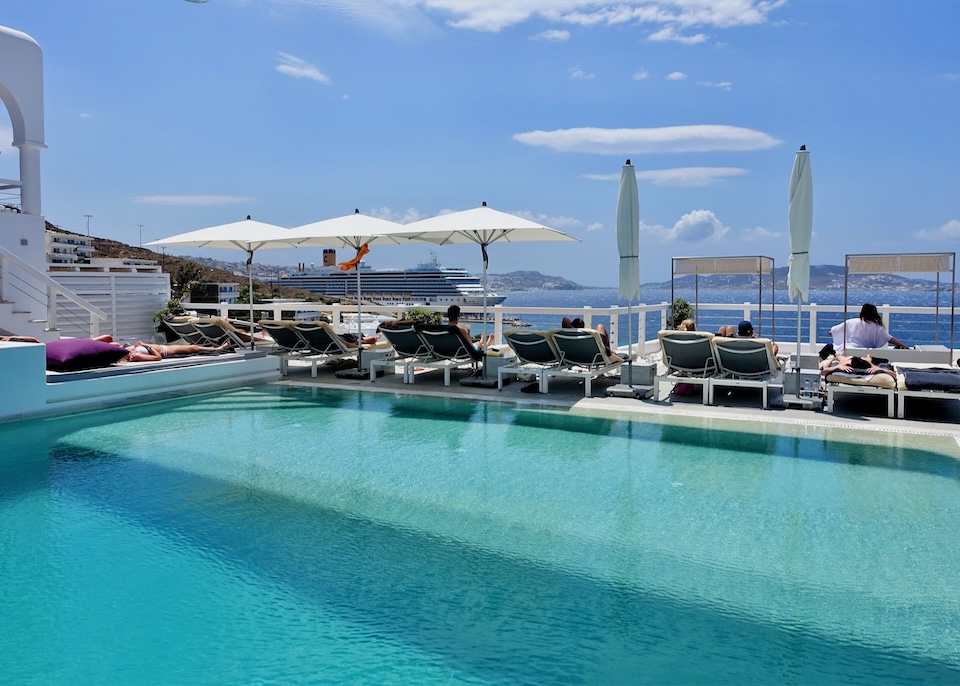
{"points": [[72, 354]]}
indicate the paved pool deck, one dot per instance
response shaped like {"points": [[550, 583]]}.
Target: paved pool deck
{"points": [[924, 416]]}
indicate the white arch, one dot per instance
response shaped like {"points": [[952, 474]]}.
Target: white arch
{"points": [[21, 91]]}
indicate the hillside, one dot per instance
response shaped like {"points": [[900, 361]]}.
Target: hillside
{"points": [[822, 277]]}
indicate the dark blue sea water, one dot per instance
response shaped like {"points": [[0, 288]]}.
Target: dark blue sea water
{"points": [[911, 329]]}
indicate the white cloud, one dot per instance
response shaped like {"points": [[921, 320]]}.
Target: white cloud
{"points": [[405, 217], [300, 69], [495, 15], [191, 200], [697, 226], [640, 75], [6, 140], [553, 35], [596, 226], [676, 76], [679, 176], [696, 138], [759, 233], [722, 85], [578, 73], [949, 231], [560, 223], [84, 115], [688, 176], [669, 33]]}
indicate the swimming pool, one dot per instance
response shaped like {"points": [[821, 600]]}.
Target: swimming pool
{"points": [[283, 534]]}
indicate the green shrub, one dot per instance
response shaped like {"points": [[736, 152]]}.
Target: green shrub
{"points": [[679, 310], [421, 315]]}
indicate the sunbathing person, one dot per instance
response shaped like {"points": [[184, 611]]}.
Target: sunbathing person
{"points": [[567, 323], [152, 352], [19, 339], [453, 318], [863, 331], [852, 364], [744, 330], [688, 325]]}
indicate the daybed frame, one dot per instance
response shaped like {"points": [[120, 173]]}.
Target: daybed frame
{"points": [[755, 264]]}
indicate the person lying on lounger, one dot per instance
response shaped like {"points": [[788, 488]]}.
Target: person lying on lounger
{"points": [[152, 352], [19, 339], [855, 365]]}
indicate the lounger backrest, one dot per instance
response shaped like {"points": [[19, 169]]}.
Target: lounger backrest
{"points": [[532, 346], [217, 334], [745, 358], [285, 334], [322, 339], [187, 331], [581, 348], [448, 342], [688, 352], [404, 339]]}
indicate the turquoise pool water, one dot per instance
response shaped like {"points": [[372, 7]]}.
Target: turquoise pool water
{"points": [[285, 535]]}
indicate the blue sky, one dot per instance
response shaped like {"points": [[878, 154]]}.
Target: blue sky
{"points": [[178, 115]]}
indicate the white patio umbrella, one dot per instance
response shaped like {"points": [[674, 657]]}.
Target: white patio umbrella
{"points": [[483, 226], [628, 244], [247, 235], [349, 231], [801, 228]]}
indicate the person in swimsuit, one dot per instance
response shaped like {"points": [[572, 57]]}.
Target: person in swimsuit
{"points": [[152, 352]]}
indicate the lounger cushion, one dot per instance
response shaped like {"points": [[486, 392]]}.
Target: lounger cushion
{"points": [[74, 354], [875, 380]]}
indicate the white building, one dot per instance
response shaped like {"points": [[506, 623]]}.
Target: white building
{"points": [[68, 248]]}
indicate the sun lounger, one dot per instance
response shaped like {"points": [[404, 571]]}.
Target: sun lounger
{"points": [[409, 349], [324, 342], [689, 358], [744, 362], [449, 348], [535, 351], [926, 381], [583, 355], [289, 343], [184, 328], [218, 330]]}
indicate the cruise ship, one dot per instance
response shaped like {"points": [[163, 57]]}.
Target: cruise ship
{"points": [[428, 283]]}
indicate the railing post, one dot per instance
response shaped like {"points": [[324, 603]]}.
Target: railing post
{"points": [[663, 315], [51, 308], [813, 325], [614, 331], [95, 325], [113, 308], [587, 317], [642, 330], [497, 324], [4, 277]]}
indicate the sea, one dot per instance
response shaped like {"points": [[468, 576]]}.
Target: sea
{"points": [[909, 328]]}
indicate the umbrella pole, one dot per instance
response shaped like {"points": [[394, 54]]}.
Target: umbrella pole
{"points": [[359, 325], [629, 339], [483, 332], [250, 294], [799, 343]]}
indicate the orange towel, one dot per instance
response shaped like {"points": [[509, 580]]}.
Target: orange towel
{"points": [[352, 264]]}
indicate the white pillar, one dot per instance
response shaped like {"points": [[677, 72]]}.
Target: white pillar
{"points": [[30, 177]]}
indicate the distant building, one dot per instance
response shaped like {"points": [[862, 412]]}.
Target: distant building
{"points": [[215, 292], [66, 248]]}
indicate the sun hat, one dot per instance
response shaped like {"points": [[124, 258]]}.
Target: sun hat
{"points": [[745, 328]]}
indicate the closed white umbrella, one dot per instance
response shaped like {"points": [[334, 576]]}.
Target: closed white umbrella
{"points": [[483, 226], [628, 243], [247, 235], [801, 228]]}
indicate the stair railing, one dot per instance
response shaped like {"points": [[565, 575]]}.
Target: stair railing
{"points": [[52, 289]]}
